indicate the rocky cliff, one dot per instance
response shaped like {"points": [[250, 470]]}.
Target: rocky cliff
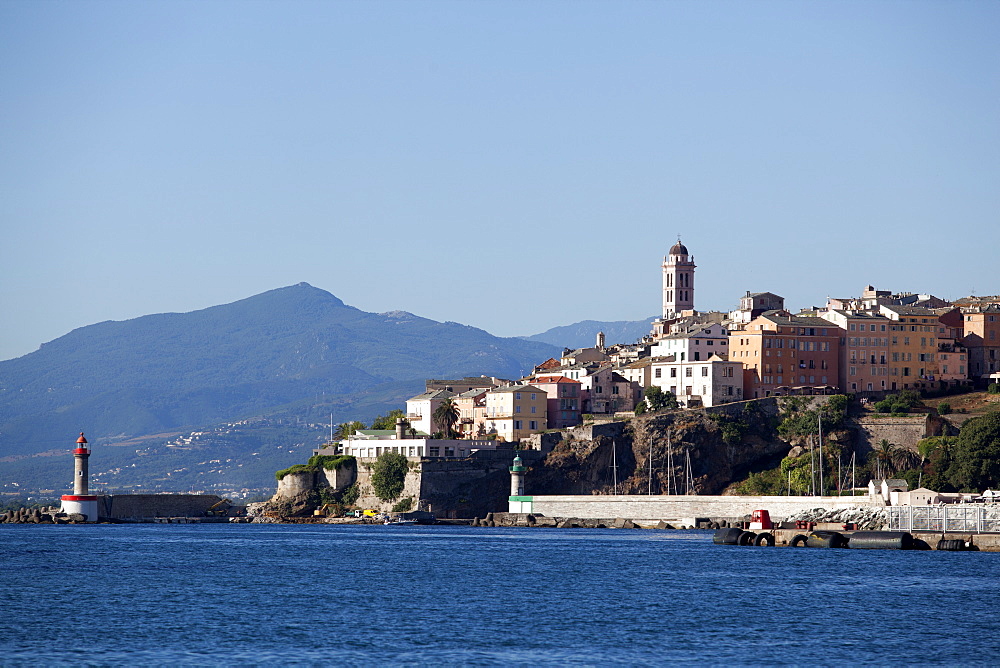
{"points": [[676, 452]]}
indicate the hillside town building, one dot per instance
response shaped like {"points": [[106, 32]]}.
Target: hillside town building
{"points": [[514, 412], [564, 398], [704, 383], [783, 354], [877, 343]]}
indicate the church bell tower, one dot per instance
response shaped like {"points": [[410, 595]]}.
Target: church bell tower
{"points": [[678, 281]]}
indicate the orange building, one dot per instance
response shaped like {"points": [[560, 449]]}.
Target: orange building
{"points": [[913, 346], [784, 355], [982, 338], [864, 352]]}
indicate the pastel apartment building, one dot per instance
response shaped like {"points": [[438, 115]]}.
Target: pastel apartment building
{"points": [[982, 339], [471, 410], [420, 410], [514, 412], [783, 354], [864, 353], [913, 347], [707, 383], [564, 400]]}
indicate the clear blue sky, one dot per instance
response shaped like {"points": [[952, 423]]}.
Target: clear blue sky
{"points": [[509, 165]]}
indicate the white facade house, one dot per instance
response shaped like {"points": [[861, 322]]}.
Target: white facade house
{"points": [[370, 443], [420, 409], [707, 383], [693, 342]]}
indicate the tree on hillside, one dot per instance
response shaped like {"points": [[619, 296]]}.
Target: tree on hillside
{"points": [[446, 415], [389, 475], [388, 421], [975, 457], [657, 399], [346, 429]]}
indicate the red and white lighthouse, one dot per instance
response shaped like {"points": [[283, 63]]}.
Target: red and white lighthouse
{"points": [[81, 501]]}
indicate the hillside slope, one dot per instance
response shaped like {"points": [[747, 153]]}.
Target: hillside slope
{"points": [[274, 352], [584, 333]]}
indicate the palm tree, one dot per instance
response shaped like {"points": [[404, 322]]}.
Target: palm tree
{"points": [[891, 458], [447, 415], [884, 454], [903, 459]]}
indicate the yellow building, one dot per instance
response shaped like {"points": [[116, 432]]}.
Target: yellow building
{"points": [[515, 412], [913, 347]]}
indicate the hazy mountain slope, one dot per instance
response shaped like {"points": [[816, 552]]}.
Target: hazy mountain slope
{"points": [[168, 371], [583, 334]]}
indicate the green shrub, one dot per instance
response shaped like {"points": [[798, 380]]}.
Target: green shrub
{"points": [[943, 408], [330, 462], [403, 505], [350, 495], [297, 468], [899, 403], [994, 388], [388, 475]]}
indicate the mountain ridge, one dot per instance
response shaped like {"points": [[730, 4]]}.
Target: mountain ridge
{"points": [[583, 334], [291, 349]]}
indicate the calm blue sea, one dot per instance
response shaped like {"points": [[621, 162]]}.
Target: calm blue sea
{"points": [[226, 595]]}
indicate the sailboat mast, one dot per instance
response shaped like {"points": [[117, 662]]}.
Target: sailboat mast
{"points": [[819, 431], [671, 483], [614, 465], [650, 492]]}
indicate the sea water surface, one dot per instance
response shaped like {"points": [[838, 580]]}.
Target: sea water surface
{"points": [[249, 594]]}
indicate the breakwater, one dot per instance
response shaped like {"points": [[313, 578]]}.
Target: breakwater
{"points": [[677, 508]]}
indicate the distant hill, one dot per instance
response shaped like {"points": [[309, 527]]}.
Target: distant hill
{"points": [[583, 334], [297, 352]]}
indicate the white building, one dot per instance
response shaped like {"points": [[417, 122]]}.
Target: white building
{"points": [[691, 340], [706, 383], [370, 443], [420, 410]]}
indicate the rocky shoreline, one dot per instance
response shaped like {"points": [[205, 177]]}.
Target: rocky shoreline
{"points": [[49, 515]]}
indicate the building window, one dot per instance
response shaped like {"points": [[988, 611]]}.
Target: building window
{"points": [[687, 372], [517, 409], [673, 372], [517, 424], [657, 372], [533, 425], [704, 371], [517, 395], [533, 409]]}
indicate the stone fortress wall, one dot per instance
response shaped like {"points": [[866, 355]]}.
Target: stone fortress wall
{"points": [[136, 506]]}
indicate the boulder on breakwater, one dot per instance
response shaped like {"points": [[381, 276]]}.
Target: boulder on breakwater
{"points": [[534, 520], [49, 515], [866, 518]]}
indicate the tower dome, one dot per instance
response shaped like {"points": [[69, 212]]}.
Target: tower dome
{"points": [[678, 281]]}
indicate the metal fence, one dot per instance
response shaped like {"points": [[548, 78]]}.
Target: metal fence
{"points": [[958, 518]]}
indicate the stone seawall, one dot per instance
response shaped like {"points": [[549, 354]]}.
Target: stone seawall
{"points": [[902, 431], [679, 508], [136, 506]]}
